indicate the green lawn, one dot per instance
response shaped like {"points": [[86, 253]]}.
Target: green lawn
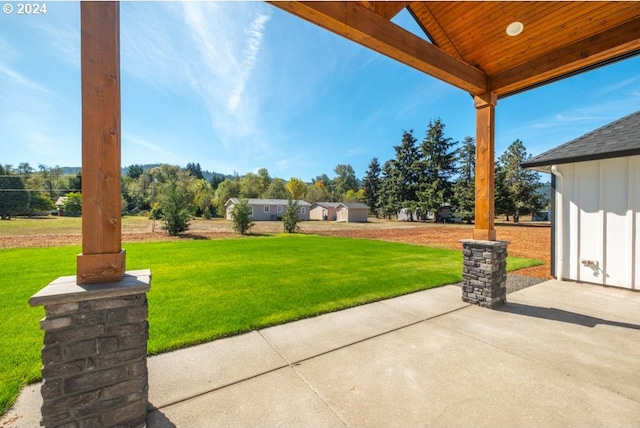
{"points": [[206, 289], [54, 225]]}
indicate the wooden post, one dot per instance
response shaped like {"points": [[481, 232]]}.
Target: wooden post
{"points": [[485, 167], [102, 259]]}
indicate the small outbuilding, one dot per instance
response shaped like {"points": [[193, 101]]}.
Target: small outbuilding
{"points": [[595, 205], [324, 211], [269, 209], [354, 212]]}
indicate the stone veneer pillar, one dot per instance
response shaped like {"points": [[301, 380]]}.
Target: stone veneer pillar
{"points": [[95, 352], [484, 272]]}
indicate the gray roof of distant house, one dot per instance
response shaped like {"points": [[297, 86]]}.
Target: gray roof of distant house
{"points": [[253, 201], [617, 139], [354, 205], [327, 204]]}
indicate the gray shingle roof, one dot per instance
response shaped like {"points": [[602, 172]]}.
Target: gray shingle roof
{"points": [[617, 139], [255, 201], [354, 205], [327, 204]]}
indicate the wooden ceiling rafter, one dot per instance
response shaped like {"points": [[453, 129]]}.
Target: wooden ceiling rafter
{"points": [[617, 42], [386, 9], [432, 28], [361, 25], [468, 45]]}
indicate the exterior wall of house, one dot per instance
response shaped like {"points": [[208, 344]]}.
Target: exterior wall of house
{"points": [[599, 236], [354, 215], [318, 212], [263, 212], [270, 211]]}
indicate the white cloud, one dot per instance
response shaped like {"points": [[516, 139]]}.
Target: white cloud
{"points": [[18, 79], [250, 54], [155, 148], [616, 86]]}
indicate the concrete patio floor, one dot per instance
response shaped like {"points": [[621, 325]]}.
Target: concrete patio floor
{"points": [[559, 354]]}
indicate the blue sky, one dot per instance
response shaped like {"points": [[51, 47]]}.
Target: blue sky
{"points": [[242, 85]]}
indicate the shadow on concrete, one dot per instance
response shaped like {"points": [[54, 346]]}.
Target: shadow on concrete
{"points": [[157, 419], [562, 316]]}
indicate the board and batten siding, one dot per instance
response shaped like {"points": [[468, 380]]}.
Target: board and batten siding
{"points": [[601, 221]]}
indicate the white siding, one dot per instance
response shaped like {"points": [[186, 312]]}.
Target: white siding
{"points": [[601, 210]]}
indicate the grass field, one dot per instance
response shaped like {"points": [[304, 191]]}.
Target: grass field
{"points": [[206, 289]]}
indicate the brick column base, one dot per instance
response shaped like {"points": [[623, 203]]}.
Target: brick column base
{"points": [[95, 352], [484, 272]]}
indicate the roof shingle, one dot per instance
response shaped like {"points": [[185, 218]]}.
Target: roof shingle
{"points": [[617, 139]]}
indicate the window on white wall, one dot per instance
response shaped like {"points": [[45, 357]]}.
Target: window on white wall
{"points": [[266, 208], [303, 210], [279, 209]]}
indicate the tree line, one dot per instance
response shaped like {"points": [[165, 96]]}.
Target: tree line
{"points": [[425, 176], [421, 178]]}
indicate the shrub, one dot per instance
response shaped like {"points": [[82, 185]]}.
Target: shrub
{"points": [[241, 215], [290, 218], [174, 210], [73, 204]]}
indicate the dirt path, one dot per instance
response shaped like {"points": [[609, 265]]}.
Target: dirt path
{"points": [[527, 240]]}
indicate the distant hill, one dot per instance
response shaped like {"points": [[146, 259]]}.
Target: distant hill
{"points": [[206, 174]]}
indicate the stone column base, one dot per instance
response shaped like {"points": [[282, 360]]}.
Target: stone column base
{"points": [[484, 272], [95, 352]]}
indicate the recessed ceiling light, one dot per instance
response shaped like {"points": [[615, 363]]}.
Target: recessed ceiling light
{"points": [[515, 28]]}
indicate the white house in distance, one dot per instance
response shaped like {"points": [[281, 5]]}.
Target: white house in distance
{"points": [[269, 209], [595, 205]]}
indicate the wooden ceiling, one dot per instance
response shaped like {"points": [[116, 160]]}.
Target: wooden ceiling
{"points": [[465, 43]]}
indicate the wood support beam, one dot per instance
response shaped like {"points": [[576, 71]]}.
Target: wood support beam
{"points": [[361, 25], [485, 167], [590, 52], [102, 259]]}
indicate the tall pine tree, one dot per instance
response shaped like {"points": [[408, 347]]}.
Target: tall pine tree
{"points": [[406, 177], [464, 188], [520, 184], [437, 166], [371, 185]]}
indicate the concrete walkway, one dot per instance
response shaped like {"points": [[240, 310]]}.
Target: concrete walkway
{"points": [[557, 355]]}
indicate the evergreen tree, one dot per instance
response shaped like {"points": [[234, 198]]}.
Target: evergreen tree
{"points": [[389, 201], [195, 170], [464, 187], [503, 203], [14, 198], [215, 181], [241, 215], [290, 218], [371, 185], [437, 166], [405, 174], [175, 210], [520, 184], [134, 171]]}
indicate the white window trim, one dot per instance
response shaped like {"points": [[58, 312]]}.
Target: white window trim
{"points": [[251, 215], [303, 210], [279, 209], [266, 209]]}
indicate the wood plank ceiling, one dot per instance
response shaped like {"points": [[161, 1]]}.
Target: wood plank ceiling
{"points": [[466, 44]]}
